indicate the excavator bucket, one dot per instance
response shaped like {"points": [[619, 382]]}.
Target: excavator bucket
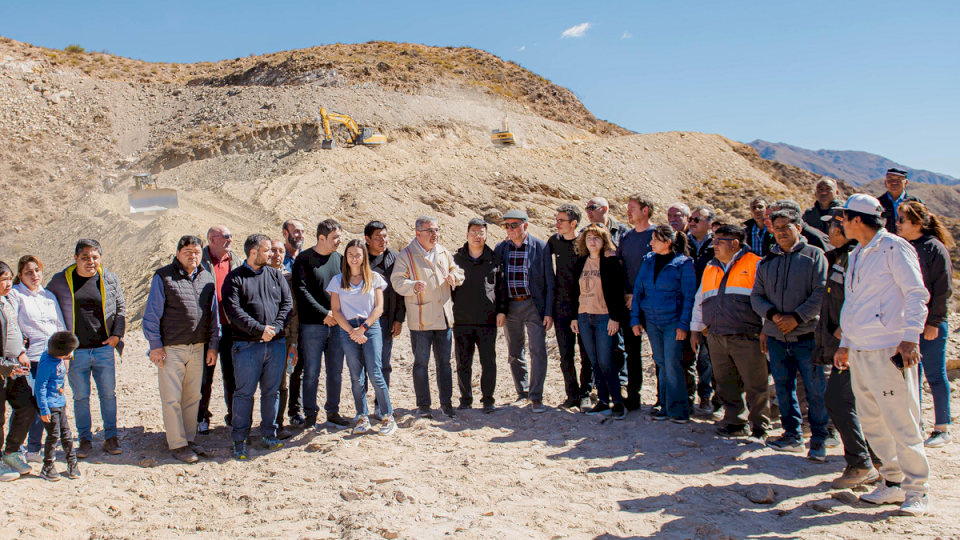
{"points": [[328, 144], [153, 200]]}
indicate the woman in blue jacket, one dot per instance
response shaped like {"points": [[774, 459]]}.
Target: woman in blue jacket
{"points": [[663, 297]]}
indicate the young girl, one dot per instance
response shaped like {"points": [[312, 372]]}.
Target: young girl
{"points": [[356, 302]]}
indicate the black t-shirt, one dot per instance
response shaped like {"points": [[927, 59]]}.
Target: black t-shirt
{"points": [[566, 253], [660, 262], [88, 311], [311, 274]]}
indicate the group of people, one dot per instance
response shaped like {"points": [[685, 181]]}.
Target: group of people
{"points": [[788, 294]]}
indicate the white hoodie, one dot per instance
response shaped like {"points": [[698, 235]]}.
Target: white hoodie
{"points": [[886, 301]]}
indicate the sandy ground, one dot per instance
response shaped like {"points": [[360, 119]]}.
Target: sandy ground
{"points": [[512, 474]]}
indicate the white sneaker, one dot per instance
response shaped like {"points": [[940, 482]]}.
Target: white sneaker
{"points": [[34, 457], [7, 474], [363, 425], [938, 438], [884, 494], [915, 505], [388, 426]]}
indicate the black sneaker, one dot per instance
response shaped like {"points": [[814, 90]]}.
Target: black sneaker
{"points": [[619, 411], [49, 472], [240, 450], [632, 404], [464, 406], [569, 402], [297, 421], [336, 421], [732, 430], [447, 410], [758, 435], [787, 443], [489, 408], [424, 412], [600, 408], [659, 415], [73, 472], [310, 421]]}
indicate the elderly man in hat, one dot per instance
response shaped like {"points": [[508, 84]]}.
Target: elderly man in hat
{"points": [[529, 285], [896, 184]]}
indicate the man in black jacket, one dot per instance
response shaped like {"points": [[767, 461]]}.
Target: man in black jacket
{"points": [[475, 308], [257, 301], [819, 215], [896, 194], [382, 259], [840, 401]]}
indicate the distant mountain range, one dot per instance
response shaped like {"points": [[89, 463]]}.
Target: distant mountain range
{"points": [[855, 168]]}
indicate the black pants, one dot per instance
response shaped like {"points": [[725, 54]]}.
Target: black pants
{"points": [[634, 365], [576, 388], [226, 369], [467, 338], [16, 392], [842, 408], [690, 371], [58, 430]]}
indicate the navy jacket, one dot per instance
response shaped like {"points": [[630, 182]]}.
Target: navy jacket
{"points": [[254, 300], [543, 282]]}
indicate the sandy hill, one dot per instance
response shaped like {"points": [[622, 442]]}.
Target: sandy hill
{"points": [[238, 140]]}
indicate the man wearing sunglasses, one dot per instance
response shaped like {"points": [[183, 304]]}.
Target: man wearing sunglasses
{"points": [[219, 260], [597, 212]]}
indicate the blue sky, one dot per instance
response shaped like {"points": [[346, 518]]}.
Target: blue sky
{"points": [[880, 76]]}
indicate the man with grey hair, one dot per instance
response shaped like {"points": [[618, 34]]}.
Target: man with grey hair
{"points": [[825, 193], [598, 212], [813, 237], [425, 274], [678, 216]]}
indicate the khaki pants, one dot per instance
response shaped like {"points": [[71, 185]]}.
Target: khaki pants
{"points": [[740, 369], [888, 407], [180, 378]]}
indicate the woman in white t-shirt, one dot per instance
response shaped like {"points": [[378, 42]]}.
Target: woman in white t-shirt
{"points": [[356, 302]]}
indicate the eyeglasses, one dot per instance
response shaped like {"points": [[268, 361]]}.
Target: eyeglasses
{"points": [[477, 234], [699, 219], [718, 239], [510, 226], [594, 207], [430, 231]]}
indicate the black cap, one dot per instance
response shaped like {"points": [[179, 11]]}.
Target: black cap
{"points": [[897, 172], [62, 344]]}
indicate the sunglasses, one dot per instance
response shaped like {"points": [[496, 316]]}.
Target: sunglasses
{"points": [[224, 236], [594, 207], [510, 226], [699, 219], [430, 231]]}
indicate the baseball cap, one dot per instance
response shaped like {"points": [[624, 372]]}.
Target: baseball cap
{"points": [[862, 203]]}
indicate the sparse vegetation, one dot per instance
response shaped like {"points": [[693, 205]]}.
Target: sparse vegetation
{"points": [[73, 49]]}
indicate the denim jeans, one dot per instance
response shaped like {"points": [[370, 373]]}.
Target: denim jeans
{"points": [[318, 341], [933, 364], [668, 355], [100, 363], [786, 359], [257, 363], [386, 337], [363, 362], [441, 342], [600, 348]]}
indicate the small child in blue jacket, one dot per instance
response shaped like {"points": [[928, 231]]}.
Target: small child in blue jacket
{"points": [[52, 404]]}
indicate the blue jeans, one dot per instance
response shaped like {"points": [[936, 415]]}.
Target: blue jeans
{"points": [[600, 346], [668, 355], [100, 363], [257, 362], [934, 365], [441, 341], [786, 359], [318, 341], [364, 361]]}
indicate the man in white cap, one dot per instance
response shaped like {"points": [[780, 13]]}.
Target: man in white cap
{"points": [[884, 312]]}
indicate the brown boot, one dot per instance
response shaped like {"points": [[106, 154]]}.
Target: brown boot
{"points": [[854, 476], [112, 446]]}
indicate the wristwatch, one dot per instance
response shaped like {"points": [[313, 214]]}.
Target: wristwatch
{"points": [[365, 325]]}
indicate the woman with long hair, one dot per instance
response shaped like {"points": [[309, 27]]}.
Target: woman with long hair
{"points": [[598, 301], [663, 297], [932, 241], [356, 302], [39, 316]]}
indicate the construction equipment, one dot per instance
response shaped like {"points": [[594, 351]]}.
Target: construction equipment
{"points": [[364, 136], [503, 136], [146, 195]]}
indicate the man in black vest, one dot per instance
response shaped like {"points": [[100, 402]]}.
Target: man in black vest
{"points": [[180, 318]]}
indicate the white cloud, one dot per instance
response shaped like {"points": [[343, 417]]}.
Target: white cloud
{"points": [[577, 31], [626, 35], [522, 48]]}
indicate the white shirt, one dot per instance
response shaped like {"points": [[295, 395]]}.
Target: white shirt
{"points": [[39, 316], [354, 303], [429, 255]]}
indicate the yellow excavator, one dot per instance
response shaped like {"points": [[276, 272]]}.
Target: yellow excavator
{"points": [[360, 135], [503, 136]]}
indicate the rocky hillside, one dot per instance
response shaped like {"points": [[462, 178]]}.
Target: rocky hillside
{"points": [[241, 149]]}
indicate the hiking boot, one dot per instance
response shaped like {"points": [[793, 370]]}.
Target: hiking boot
{"points": [[586, 403], [240, 450], [938, 439], [537, 406], [84, 448], [618, 412], [569, 402], [271, 443], [16, 462], [7, 474], [363, 425], [336, 421], [284, 433], [705, 408], [855, 476], [112, 446], [732, 430], [600, 408], [786, 443], [197, 449], [447, 411], [185, 454], [818, 451], [885, 493], [309, 421], [424, 412], [73, 471], [915, 505], [388, 426], [49, 473], [203, 427], [489, 408], [297, 421]]}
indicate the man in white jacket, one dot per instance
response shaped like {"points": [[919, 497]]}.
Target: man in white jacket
{"points": [[883, 315]]}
